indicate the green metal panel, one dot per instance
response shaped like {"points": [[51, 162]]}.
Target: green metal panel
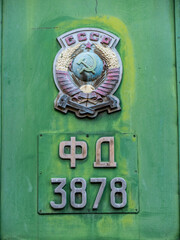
{"points": [[177, 25], [1, 95], [149, 109], [51, 165]]}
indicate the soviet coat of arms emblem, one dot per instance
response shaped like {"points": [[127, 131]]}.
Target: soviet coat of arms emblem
{"points": [[87, 71]]}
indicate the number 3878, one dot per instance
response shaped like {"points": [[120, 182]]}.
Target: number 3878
{"points": [[115, 192]]}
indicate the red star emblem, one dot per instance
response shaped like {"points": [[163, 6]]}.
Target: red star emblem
{"points": [[88, 45]]}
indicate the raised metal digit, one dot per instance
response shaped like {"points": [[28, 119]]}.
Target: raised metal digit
{"points": [[101, 190], [121, 190], [59, 190], [81, 190]]}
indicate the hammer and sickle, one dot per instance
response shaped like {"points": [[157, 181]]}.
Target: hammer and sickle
{"points": [[87, 67]]}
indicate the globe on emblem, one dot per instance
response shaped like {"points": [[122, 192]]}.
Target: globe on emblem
{"points": [[87, 66]]}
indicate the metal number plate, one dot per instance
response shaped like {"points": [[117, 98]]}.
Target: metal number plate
{"points": [[82, 190], [90, 182]]}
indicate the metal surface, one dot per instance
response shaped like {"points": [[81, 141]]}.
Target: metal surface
{"points": [[73, 156], [81, 190], [59, 190], [148, 93], [82, 194], [111, 162], [115, 190], [101, 190], [87, 71], [177, 35]]}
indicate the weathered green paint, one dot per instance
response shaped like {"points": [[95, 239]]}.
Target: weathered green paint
{"points": [[51, 165], [177, 25], [149, 109], [0, 96]]}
